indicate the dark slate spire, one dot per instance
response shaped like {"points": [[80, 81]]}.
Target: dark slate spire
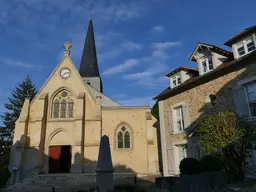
{"points": [[89, 64]]}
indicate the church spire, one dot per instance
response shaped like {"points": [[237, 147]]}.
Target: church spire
{"points": [[89, 64], [89, 69]]}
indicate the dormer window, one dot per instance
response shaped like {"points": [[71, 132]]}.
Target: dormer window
{"points": [[180, 75], [245, 47], [207, 64], [176, 80]]}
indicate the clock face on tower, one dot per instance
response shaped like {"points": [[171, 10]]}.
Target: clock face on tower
{"points": [[65, 73]]}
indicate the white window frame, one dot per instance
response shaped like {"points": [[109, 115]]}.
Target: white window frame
{"points": [[183, 146], [247, 100], [245, 46], [176, 152], [175, 77], [206, 59], [175, 128], [244, 83]]}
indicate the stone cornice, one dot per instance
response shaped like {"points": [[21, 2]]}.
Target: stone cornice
{"points": [[92, 144], [61, 120], [81, 95], [43, 95], [78, 143]]}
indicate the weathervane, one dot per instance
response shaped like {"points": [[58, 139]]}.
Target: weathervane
{"points": [[67, 46], [91, 7]]}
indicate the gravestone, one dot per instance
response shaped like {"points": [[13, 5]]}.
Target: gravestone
{"points": [[104, 171]]}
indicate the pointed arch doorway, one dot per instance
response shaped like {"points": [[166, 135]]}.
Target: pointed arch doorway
{"points": [[59, 152], [60, 158]]}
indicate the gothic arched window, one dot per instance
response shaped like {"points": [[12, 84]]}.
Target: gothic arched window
{"points": [[63, 105], [123, 138]]}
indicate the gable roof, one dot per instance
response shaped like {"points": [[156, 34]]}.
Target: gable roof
{"points": [[213, 48], [223, 69], [244, 33], [55, 69], [105, 100], [182, 68]]}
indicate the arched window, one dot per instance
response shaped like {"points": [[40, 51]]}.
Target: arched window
{"points": [[63, 105], [70, 108], [123, 138], [56, 108]]}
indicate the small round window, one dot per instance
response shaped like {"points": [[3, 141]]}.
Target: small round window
{"points": [[64, 94]]}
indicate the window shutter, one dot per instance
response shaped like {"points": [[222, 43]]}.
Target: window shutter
{"points": [[185, 111], [170, 119], [170, 159], [241, 105]]}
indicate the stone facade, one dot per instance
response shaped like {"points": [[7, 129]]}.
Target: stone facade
{"points": [[36, 130], [196, 97]]}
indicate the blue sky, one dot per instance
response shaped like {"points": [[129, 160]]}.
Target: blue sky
{"points": [[138, 41]]}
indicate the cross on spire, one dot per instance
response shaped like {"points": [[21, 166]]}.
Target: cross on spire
{"points": [[67, 46], [91, 7]]}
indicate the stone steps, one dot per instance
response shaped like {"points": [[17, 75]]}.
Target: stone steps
{"points": [[61, 181]]}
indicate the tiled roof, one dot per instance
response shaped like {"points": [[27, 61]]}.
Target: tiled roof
{"points": [[244, 33], [214, 48], [105, 100], [223, 69], [182, 68]]}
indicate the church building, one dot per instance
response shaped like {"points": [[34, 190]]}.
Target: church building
{"points": [[59, 131]]}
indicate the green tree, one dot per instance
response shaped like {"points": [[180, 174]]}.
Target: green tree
{"points": [[4, 161], [230, 136], [23, 90], [155, 111]]}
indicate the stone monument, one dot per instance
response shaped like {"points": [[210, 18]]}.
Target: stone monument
{"points": [[104, 171]]}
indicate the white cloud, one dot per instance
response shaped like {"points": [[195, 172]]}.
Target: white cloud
{"points": [[158, 29], [160, 48], [152, 77], [165, 45], [129, 45], [154, 82], [17, 63], [138, 75], [160, 54], [119, 95], [128, 64], [106, 39], [120, 10], [109, 54]]}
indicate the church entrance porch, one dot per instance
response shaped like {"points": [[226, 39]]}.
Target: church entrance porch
{"points": [[60, 158]]}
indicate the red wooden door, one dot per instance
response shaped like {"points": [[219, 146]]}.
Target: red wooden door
{"points": [[54, 159], [70, 157]]}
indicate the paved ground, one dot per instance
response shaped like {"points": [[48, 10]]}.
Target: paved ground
{"points": [[248, 186]]}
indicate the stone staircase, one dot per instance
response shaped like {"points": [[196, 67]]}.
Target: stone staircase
{"points": [[64, 182]]}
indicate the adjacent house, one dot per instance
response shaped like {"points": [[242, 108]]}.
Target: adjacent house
{"points": [[221, 80]]}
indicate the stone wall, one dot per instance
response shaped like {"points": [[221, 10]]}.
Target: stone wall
{"points": [[198, 97], [142, 157]]}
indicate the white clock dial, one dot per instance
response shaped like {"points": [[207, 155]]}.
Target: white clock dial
{"points": [[65, 73]]}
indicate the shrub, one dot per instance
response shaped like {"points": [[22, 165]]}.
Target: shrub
{"points": [[4, 176], [211, 163], [190, 166]]}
